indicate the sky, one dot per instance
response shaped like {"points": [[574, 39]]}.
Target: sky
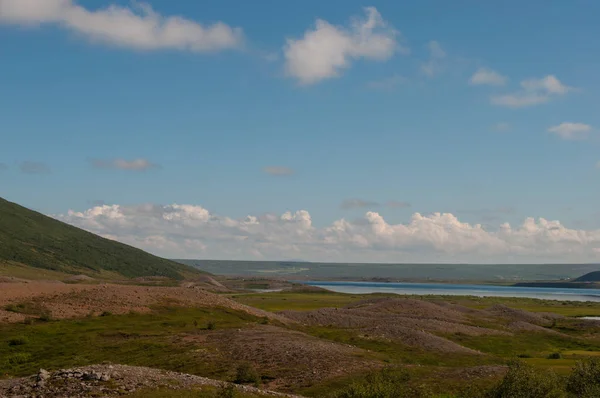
{"points": [[381, 131]]}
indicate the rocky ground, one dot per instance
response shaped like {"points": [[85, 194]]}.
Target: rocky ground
{"points": [[62, 300], [419, 323], [109, 381]]}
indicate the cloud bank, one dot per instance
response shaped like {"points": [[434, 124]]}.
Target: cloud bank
{"points": [[571, 131], [533, 92], [326, 50], [139, 27], [484, 76], [192, 231]]}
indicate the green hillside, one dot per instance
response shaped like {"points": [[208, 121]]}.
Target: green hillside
{"points": [[30, 239]]}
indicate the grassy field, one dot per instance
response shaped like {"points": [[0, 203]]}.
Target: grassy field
{"points": [[280, 301], [133, 339]]}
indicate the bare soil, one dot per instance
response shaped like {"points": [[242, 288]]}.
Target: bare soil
{"points": [[289, 358], [423, 324]]}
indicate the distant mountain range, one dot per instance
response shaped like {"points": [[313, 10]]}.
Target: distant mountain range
{"points": [[498, 273]]}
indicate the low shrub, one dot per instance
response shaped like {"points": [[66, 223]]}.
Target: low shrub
{"points": [[21, 340], [387, 383], [226, 391], [247, 374], [523, 381], [584, 380], [554, 355]]}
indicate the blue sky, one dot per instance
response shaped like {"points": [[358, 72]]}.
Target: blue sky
{"points": [[96, 111]]}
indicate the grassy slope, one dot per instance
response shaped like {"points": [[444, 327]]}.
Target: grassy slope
{"points": [[31, 239]]}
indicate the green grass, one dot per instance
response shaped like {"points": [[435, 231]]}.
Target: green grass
{"points": [[133, 339], [307, 301], [204, 392], [294, 301], [31, 239]]}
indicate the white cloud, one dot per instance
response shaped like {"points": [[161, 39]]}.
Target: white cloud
{"points": [[278, 171], [502, 127], [533, 92], [182, 231], [325, 50], [139, 27], [571, 131], [122, 164], [436, 54], [487, 77]]}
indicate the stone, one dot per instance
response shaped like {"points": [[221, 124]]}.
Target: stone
{"points": [[43, 375]]}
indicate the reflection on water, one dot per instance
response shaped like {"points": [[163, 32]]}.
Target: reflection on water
{"points": [[460, 290]]}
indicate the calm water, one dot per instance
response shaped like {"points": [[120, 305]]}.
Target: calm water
{"points": [[461, 290]]}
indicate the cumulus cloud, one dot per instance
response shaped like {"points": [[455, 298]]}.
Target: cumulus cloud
{"points": [[181, 231], [31, 167], [357, 204], [278, 171], [485, 76], [122, 164], [326, 50], [533, 92], [138, 27], [571, 131], [436, 54]]}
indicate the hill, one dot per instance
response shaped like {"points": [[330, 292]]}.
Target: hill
{"points": [[30, 239], [405, 272], [589, 277]]}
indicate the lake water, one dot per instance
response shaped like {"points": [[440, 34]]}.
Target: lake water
{"points": [[460, 290]]}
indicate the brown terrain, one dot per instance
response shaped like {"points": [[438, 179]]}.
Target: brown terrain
{"points": [[419, 323], [63, 300]]}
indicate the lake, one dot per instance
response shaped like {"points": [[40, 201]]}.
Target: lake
{"points": [[460, 290]]}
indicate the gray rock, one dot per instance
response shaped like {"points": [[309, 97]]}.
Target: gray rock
{"points": [[43, 375]]}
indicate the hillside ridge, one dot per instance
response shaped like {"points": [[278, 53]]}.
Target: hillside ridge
{"points": [[31, 239]]}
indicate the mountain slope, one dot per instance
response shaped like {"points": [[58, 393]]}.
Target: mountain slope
{"points": [[31, 239]]}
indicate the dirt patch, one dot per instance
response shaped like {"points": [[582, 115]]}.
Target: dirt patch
{"points": [[109, 381], [412, 322], [70, 301], [516, 315], [289, 358]]}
